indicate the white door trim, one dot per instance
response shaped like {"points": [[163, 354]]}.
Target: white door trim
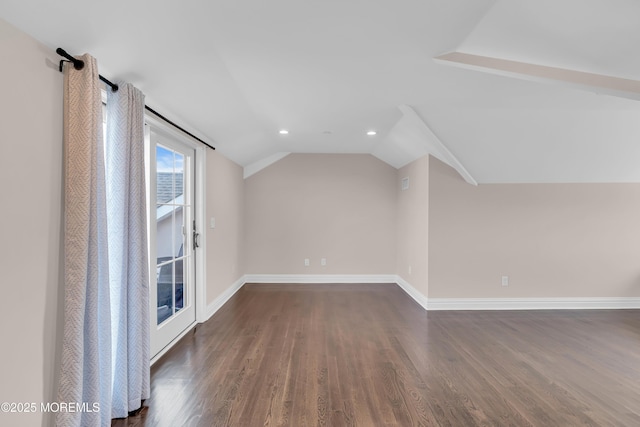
{"points": [[201, 252], [199, 214]]}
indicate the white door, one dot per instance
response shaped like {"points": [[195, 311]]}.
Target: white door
{"points": [[172, 238]]}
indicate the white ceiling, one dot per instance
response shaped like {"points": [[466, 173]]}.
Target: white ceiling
{"points": [[236, 72]]}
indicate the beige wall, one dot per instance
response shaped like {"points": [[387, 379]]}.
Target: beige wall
{"points": [[552, 240], [31, 176], [338, 206], [224, 242], [412, 224]]}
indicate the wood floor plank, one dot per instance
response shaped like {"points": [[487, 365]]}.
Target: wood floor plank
{"points": [[368, 355]]}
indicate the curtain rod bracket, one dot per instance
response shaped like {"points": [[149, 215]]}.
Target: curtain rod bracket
{"points": [[78, 64]]}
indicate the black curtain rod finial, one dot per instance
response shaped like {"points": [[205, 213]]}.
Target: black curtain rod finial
{"points": [[114, 87], [78, 64]]}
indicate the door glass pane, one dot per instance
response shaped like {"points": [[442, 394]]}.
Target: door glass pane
{"points": [[179, 232], [164, 175], [165, 292], [178, 177], [171, 231], [179, 281]]}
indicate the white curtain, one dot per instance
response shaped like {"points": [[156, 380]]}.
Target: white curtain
{"points": [[86, 353], [128, 262], [105, 354]]}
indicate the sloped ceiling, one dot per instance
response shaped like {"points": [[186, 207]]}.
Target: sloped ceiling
{"points": [[235, 73]]}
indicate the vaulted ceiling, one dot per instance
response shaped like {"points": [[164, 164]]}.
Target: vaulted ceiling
{"points": [[235, 73]]}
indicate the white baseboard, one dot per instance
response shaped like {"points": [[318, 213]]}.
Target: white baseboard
{"points": [[224, 297], [431, 304], [413, 292], [532, 303], [320, 278]]}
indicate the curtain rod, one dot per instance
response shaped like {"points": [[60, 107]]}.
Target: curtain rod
{"points": [[78, 64]]}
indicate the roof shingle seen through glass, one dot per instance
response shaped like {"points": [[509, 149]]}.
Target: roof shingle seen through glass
{"points": [[164, 185]]}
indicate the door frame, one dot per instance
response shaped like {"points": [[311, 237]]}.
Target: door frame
{"points": [[199, 211]]}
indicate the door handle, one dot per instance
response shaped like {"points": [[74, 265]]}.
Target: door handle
{"points": [[196, 236]]}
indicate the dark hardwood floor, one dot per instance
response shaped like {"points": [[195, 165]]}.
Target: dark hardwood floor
{"points": [[368, 355]]}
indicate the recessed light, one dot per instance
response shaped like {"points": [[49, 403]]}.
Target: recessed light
{"points": [[284, 132], [371, 133]]}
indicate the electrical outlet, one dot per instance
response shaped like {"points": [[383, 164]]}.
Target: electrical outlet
{"points": [[409, 269], [505, 280], [306, 262], [323, 261]]}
